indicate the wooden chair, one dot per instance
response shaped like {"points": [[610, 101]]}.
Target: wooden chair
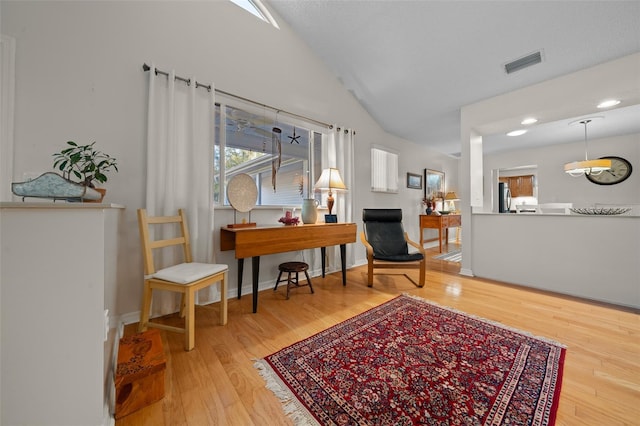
{"points": [[185, 278], [387, 244]]}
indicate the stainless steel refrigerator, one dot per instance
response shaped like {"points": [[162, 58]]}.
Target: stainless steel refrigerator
{"points": [[504, 197]]}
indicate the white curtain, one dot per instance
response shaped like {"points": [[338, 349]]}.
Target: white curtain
{"points": [[338, 152], [180, 146], [7, 100]]}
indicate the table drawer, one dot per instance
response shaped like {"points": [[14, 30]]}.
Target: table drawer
{"points": [[451, 221]]}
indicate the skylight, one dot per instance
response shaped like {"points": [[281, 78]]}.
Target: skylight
{"points": [[256, 8]]}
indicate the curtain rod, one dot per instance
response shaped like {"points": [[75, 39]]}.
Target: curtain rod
{"points": [[146, 67]]}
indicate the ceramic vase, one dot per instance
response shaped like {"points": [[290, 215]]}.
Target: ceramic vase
{"points": [[309, 210]]}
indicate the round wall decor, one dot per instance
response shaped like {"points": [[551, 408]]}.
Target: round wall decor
{"points": [[619, 172], [242, 192]]}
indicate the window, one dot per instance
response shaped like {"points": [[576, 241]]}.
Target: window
{"points": [[384, 171], [256, 8], [247, 143]]}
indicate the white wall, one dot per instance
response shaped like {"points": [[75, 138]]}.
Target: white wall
{"points": [[79, 77], [588, 256], [571, 95], [55, 312]]}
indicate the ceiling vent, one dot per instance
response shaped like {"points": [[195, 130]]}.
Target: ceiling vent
{"points": [[527, 61]]}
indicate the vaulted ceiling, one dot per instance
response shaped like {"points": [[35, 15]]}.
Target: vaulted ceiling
{"points": [[414, 64]]}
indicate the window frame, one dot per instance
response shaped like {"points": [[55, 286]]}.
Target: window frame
{"points": [[312, 163], [384, 170], [257, 9]]}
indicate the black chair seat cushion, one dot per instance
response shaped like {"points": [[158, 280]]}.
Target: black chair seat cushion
{"points": [[411, 257]]}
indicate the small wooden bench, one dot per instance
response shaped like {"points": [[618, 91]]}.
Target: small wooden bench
{"points": [[140, 373]]}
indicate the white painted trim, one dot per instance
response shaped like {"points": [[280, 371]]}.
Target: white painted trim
{"points": [[7, 105], [466, 272]]}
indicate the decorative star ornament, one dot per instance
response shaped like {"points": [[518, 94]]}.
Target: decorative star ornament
{"points": [[294, 138]]}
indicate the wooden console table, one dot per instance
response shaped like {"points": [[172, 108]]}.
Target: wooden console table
{"points": [[258, 241], [439, 222]]}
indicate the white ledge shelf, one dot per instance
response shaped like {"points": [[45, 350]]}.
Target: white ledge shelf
{"points": [[57, 205]]}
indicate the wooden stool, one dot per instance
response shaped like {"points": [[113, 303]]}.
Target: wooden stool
{"points": [[290, 268]]}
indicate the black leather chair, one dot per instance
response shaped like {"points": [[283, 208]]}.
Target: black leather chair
{"points": [[388, 245]]}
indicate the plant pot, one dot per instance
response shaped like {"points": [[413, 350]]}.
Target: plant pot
{"points": [[102, 191]]}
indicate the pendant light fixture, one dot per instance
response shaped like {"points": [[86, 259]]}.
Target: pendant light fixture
{"points": [[586, 167]]}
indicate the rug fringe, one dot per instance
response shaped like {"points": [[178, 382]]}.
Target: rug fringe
{"points": [[290, 404], [492, 322]]}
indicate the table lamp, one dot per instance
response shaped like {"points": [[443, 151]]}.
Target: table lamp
{"points": [[330, 179], [451, 197]]}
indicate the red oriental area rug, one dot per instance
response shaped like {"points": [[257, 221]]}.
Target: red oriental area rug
{"points": [[410, 362]]}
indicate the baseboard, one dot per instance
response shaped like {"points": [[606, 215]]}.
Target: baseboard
{"points": [[110, 390], [125, 319], [118, 322], [466, 272], [360, 262], [247, 289], [430, 244], [133, 317], [108, 419]]}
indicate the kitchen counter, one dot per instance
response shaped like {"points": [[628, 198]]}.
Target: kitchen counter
{"points": [[572, 215], [590, 256]]}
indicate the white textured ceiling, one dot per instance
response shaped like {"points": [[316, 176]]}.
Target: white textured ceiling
{"points": [[414, 64]]}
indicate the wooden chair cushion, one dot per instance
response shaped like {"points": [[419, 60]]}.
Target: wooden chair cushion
{"points": [[186, 273]]}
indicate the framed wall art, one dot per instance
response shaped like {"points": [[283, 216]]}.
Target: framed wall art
{"points": [[414, 181], [433, 184]]}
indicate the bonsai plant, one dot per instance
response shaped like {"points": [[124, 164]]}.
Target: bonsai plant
{"points": [[86, 163]]}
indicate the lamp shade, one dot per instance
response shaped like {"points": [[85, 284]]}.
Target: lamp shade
{"points": [[451, 196], [330, 179], [587, 167]]}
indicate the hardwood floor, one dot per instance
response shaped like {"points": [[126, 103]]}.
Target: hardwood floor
{"points": [[216, 383]]}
